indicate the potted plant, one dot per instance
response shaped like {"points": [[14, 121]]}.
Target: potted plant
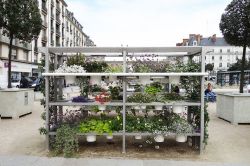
{"points": [[114, 69], [140, 98], [70, 69], [102, 98], [175, 97], [181, 127], [158, 100]]}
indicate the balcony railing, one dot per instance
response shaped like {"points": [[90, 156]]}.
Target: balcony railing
{"points": [[52, 43], [58, 32], [44, 8], [52, 16], [44, 38], [58, 8], [52, 3], [52, 29], [58, 21], [45, 24]]}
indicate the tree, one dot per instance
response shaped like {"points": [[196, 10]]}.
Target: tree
{"points": [[19, 19], [235, 26], [237, 66], [209, 67]]}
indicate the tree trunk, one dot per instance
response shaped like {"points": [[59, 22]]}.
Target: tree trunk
{"points": [[242, 73], [9, 61]]}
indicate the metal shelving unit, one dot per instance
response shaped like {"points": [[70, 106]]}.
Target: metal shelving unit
{"points": [[59, 53]]}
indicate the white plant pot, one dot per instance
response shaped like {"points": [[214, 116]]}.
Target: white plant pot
{"points": [[70, 80], [174, 79], [137, 107], [138, 137], [112, 78], [95, 80], [109, 137], [178, 109], [181, 138], [143, 107], [102, 107], [144, 80], [158, 107], [159, 138], [91, 138]]}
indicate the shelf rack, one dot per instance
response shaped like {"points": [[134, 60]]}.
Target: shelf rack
{"points": [[60, 52]]}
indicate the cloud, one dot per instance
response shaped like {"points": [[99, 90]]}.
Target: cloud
{"points": [[146, 22]]}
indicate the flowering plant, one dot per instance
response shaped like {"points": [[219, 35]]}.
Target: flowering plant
{"points": [[70, 69], [103, 97]]}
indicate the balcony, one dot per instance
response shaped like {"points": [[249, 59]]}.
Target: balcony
{"points": [[52, 3], [35, 49], [52, 43], [52, 16], [44, 8], [63, 25], [44, 39], [52, 29], [16, 42], [45, 25], [58, 33], [58, 21], [58, 44], [58, 8]]}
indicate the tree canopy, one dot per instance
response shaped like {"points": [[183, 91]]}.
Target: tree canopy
{"points": [[19, 19], [237, 66], [209, 67], [235, 26]]}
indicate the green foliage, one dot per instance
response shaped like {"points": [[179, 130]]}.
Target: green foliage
{"points": [[78, 60], [238, 65], [181, 126], [114, 69], [140, 98], [66, 141], [138, 88], [209, 67], [172, 97], [95, 126], [95, 66], [154, 88], [115, 93]]}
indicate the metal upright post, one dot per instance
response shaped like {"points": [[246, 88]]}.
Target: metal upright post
{"points": [[60, 93], [202, 100], [47, 97], [55, 79], [124, 85]]}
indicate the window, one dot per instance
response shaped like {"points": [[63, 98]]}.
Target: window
{"points": [[205, 57], [212, 57], [35, 57], [228, 64], [220, 50], [228, 50], [195, 43], [220, 57], [26, 55], [14, 54], [220, 65]]}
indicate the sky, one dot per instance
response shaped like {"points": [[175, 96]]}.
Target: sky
{"points": [[147, 22]]}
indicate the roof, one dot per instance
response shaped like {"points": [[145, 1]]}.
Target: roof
{"points": [[220, 41]]}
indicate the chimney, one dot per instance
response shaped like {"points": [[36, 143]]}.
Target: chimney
{"points": [[213, 38]]}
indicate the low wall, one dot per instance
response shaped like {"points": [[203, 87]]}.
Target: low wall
{"points": [[233, 107], [16, 102]]}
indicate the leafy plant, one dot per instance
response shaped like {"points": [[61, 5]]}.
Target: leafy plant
{"points": [[115, 93], [114, 69], [66, 141], [78, 60], [95, 66], [172, 97], [181, 126], [95, 126], [138, 88], [140, 98], [152, 90], [103, 97]]}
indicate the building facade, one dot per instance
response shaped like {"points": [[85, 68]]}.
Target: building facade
{"points": [[59, 29], [217, 51]]}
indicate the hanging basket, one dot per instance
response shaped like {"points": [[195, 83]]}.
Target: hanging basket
{"points": [[144, 80], [178, 109], [159, 138], [181, 138], [70, 80], [158, 107], [109, 137], [95, 80], [143, 107], [91, 138], [137, 107], [112, 78], [174, 79]]}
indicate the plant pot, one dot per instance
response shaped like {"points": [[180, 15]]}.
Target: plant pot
{"points": [[178, 109], [158, 107], [144, 80], [138, 137], [137, 107], [181, 138], [70, 80], [143, 107], [159, 138], [174, 79], [109, 137], [102, 107], [112, 78], [95, 80], [91, 138]]}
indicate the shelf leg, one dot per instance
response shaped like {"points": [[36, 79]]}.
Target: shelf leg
{"points": [[124, 85]]}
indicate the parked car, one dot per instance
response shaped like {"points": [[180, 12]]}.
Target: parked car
{"points": [[37, 83], [15, 83], [26, 82]]}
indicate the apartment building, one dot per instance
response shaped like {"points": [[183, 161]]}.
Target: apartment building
{"points": [[60, 28], [217, 51]]}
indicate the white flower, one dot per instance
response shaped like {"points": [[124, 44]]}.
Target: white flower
{"points": [[70, 69]]}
